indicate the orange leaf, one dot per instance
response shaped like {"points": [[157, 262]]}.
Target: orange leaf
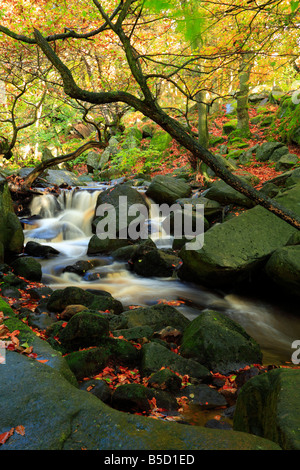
{"points": [[5, 435], [20, 430]]}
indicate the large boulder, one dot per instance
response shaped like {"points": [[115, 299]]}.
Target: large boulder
{"points": [[283, 268], [237, 247], [224, 194], [59, 177], [167, 189], [268, 405], [266, 150], [120, 199], [58, 416], [11, 232], [219, 343]]}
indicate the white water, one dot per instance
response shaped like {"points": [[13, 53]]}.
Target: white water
{"points": [[66, 226]]}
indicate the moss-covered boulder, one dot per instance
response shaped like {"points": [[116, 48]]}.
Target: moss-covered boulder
{"points": [[224, 194], [167, 189], [137, 398], [106, 246], [91, 361], [155, 356], [268, 405], [61, 298], [165, 379], [157, 317], [239, 246], [265, 151], [283, 268], [160, 141], [34, 395], [155, 263], [83, 330], [11, 232], [28, 267], [219, 343], [117, 201], [229, 126]]}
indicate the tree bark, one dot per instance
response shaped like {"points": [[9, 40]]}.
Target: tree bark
{"points": [[34, 174], [242, 95]]}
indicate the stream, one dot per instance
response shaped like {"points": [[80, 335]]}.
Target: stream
{"points": [[64, 222]]}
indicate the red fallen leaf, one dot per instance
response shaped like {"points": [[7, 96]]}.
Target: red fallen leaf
{"points": [[43, 360], [64, 324], [6, 435], [20, 430]]}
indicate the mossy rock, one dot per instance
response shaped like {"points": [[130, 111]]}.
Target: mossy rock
{"points": [[160, 141], [219, 343], [229, 126], [157, 317], [167, 189], [136, 398], [268, 405], [61, 298], [28, 267], [283, 268]]}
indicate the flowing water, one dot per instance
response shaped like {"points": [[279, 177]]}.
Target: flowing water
{"points": [[64, 222]]}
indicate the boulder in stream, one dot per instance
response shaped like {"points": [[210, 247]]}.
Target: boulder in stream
{"points": [[219, 343]]}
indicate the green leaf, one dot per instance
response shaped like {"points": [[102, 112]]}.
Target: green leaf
{"points": [[294, 5]]}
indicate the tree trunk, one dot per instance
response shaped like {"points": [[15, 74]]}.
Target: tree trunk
{"points": [[242, 95], [34, 174]]}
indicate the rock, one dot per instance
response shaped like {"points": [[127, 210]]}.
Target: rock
{"points": [[286, 162], [135, 333], [136, 398], [98, 388], [41, 321], [11, 232], [120, 199], [59, 177], [155, 263], [89, 362], [219, 343], [83, 330], [160, 141], [40, 251], [80, 267], [28, 267], [155, 356], [224, 194], [283, 268], [106, 246], [32, 393], [93, 160], [61, 298], [278, 153], [211, 208], [239, 246], [71, 310], [217, 424], [268, 405], [265, 151], [167, 189], [157, 317], [204, 396], [165, 379], [229, 126], [270, 190]]}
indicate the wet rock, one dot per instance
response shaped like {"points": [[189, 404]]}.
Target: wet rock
{"points": [[88, 362], [39, 391], [41, 321], [61, 298], [40, 251], [70, 311], [268, 406], [204, 396], [155, 263], [283, 268], [98, 388], [165, 379], [157, 317], [155, 356], [219, 343], [40, 293], [136, 398], [27, 267], [136, 333], [83, 330], [217, 424]]}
